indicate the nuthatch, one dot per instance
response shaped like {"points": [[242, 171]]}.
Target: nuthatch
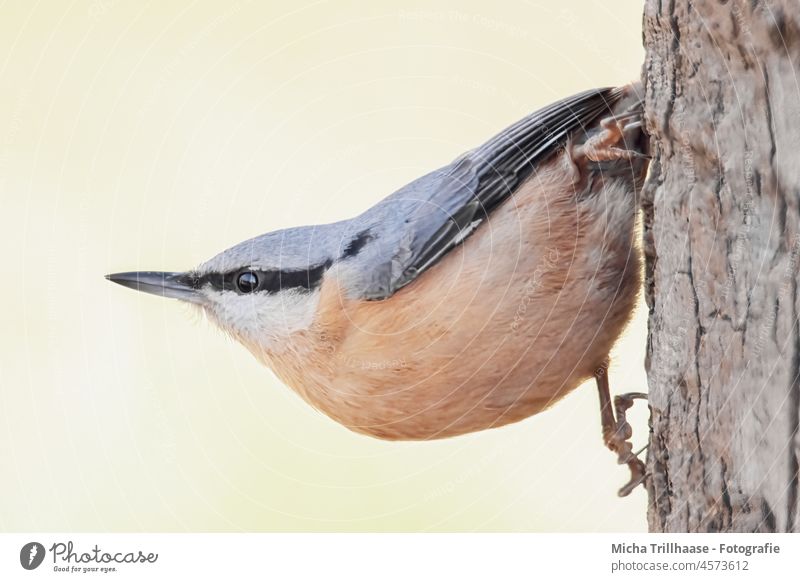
{"points": [[475, 296]]}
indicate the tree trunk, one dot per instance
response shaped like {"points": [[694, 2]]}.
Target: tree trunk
{"points": [[722, 243]]}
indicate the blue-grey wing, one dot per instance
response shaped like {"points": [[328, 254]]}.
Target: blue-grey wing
{"points": [[409, 231]]}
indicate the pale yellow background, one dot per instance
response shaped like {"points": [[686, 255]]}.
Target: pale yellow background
{"points": [[151, 135]]}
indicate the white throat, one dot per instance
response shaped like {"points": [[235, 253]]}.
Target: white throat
{"points": [[265, 320]]}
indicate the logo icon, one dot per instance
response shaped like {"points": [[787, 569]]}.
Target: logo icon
{"points": [[31, 555]]}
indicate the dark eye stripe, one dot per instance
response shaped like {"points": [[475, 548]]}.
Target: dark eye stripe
{"points": [[270, 281]]}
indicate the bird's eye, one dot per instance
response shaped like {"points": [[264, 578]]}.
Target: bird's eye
{"points": [[247, 282]]}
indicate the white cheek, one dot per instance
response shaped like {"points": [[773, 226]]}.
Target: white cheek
{"points": [[263, 318]]}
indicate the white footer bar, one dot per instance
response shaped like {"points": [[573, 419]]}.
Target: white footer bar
{"points": [[401, 557]]}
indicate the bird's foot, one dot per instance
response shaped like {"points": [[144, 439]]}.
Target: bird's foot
{"points": [[616, 429], [605, 145], [617, 439]]}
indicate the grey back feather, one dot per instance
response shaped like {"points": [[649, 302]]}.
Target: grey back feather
{"points": [[417, 225], [391, 244]]}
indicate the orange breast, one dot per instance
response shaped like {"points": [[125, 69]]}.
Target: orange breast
{"points": [[499, 329]]}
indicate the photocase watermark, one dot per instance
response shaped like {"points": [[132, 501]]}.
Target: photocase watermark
{"points": [[170, 70], [670, 357], [328, 345], [99, 8], [549, 263], [13, 129], [789, 273], [741, 245], [743, 21], [472, 472], [65, 558], [509, 102], [167, 441], [457, 16], [394, 364], [686, 150], [31, 555], [602, 369], [570, 20]]}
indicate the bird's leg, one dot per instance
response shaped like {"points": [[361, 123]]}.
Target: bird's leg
{"points": [[604, 146], [621, 404], [617, 431]]}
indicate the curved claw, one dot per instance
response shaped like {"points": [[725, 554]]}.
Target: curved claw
{"points": [[638, 475], [617, 431]]}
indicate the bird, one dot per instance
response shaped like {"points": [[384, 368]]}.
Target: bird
{"points": [[476, 296]]}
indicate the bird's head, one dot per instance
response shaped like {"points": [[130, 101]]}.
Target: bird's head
{"points": [[260, 291]]}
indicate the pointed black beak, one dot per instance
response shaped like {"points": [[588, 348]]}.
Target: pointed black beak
{"points": [[172, 285]]}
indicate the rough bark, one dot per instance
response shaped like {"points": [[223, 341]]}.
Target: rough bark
{"points": [[722, 244]]}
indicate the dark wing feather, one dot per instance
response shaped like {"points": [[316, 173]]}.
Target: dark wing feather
{"points": [[445, 206]]}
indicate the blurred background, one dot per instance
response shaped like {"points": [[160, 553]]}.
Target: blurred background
{"points": [[150, 136]]}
